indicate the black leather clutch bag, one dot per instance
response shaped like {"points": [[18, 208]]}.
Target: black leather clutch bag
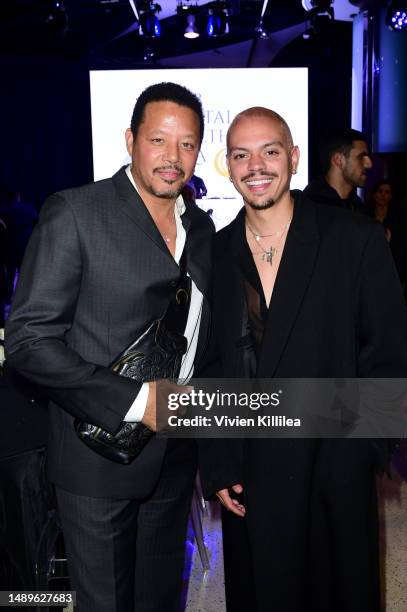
{"points": [[156, 354]]}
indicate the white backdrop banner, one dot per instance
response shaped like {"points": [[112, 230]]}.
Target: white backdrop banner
{"points": [[224, 93]]}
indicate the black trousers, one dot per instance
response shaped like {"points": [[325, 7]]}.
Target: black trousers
{"points": [[309, 542], [128, 555], [344, 536], [25, 500]]}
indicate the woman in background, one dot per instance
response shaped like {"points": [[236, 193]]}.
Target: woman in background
{"points": [[380, 203], [393, 215]]}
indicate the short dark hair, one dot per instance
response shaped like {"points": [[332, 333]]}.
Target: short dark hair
{"points": [[337, 142], [166, 92]]}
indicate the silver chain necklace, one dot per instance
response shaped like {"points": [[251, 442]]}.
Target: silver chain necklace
{"points": [[268, 254]]}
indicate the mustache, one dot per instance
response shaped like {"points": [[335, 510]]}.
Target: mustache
{"points": [[173, 167], [253, 175]]}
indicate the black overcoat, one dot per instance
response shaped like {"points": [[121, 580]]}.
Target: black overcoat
{"points": [[337, 310]]}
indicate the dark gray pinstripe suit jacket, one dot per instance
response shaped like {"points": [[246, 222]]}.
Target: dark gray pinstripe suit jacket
{"points": [[96, 271]]}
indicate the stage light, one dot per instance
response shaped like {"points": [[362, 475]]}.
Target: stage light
{"points": [[319, 8], [261, 33], [149, 23], [321, 15], [396, 17], [189, 11], [149, 55], [218, 19], [57, 19], [308, 34], [191, 31]]}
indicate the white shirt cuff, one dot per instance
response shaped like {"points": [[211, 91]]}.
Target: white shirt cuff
{"points": [[138, 407]]}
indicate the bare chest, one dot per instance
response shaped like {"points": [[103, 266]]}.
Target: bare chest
{"points": [[267, 259]]}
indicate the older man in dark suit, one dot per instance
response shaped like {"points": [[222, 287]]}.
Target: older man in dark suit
{"points": [[102, 264], [301, 290]]}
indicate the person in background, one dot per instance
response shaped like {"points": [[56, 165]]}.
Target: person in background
{"points": [[398, 244], [379, 205], [392, 214], [345, 161]]}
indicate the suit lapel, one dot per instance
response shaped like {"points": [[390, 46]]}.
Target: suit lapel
{"points": [[294, 275], [203, 337], [198, 258], [230, 309], [134, 208], [197, 244], [234, 278], [197, 248]]}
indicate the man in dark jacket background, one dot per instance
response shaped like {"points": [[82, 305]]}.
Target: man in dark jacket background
{"points": [[345, 161]]}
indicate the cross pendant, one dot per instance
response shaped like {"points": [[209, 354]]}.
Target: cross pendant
{"points": [[268, 255]]}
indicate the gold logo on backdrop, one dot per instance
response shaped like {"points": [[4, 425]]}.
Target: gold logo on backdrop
{"points": [[220, 163]]}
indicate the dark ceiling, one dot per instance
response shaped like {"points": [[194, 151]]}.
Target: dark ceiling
{"points": [[95, 29]]}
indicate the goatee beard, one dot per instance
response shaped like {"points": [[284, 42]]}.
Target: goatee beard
{"points": [[268, 203], [167, 195], [171, 193], [271, 201], [263, 206]]}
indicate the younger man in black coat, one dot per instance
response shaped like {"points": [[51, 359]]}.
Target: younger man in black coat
{"points": [[311, 292]]}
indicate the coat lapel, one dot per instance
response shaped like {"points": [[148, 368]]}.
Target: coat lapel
{"points": [[231, 310], [294, 275], [203, 337], [134, 208], [198, 256], [197, 246]]}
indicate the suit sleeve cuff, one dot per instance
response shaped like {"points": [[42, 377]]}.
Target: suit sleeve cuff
{"points": [[138, 407]]}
